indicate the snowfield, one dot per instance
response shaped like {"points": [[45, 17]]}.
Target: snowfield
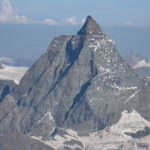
{"points": [[12, 73], [111, 138]]}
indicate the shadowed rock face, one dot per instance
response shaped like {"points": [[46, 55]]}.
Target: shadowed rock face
{"points": [[81, 82], [141, 133], [6, 86]]}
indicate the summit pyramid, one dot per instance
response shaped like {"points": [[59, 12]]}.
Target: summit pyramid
{"points": [[80, 85]]}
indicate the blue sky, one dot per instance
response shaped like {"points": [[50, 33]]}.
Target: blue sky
{"points": [[106, 12]]}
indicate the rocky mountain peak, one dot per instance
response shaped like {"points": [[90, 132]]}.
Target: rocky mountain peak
{"points": [[90, 27], [80, 83]]}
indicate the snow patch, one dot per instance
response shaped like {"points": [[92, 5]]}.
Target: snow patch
{"points": [[104, 70], [99, 42], [142, 63], [72, 42], [110, 138], [123, 88], [72, 132], [98, 88], [112, 41], [130, 122], [59, 141], [93, 46], [48, 114], [12, 73], [132, 96]]}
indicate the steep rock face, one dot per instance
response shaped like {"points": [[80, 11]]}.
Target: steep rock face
{"points": [[6, 86], [6, 102], [81, 82]]}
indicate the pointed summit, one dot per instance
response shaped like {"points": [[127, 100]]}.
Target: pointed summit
{"points": [[90, 26]]}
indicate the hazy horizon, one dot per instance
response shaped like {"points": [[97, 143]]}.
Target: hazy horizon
{"points": [[30, 41]]}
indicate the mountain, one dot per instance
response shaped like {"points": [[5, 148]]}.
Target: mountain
{"points": [[24, 62], [16, 62], [140, 65], [5, 87], [13, 73], [80, 94], [133, 58]]}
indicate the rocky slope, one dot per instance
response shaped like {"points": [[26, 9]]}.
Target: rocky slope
{"points": [[6, 86], [78, 91], [21, 142]]}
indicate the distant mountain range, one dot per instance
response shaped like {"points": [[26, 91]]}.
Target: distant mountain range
{"points": [[79, 95], [140, 65], [16, 62], [12, 73]]}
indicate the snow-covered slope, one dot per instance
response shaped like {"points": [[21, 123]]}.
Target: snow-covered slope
{"points": [[112, 138], [12, 73]]}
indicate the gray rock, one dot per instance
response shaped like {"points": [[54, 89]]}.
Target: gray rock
{"points": [[6, 86], [21, 142], [81, 82], [133, 60]]}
